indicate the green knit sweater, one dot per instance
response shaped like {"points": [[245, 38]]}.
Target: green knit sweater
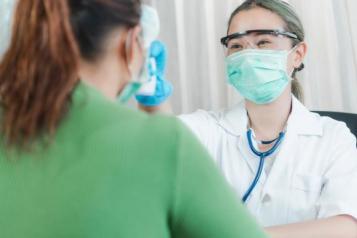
{"points": [[113, 172]]}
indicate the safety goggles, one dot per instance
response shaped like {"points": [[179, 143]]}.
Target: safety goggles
{"points": [[258, 39]]}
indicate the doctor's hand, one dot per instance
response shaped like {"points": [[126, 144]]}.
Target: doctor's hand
{"points": [[163, 88]]}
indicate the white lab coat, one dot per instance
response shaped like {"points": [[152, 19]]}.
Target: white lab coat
{"points": [[313, 175]]}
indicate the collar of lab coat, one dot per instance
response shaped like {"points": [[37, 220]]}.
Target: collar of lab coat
{"points": [[301, 120]]}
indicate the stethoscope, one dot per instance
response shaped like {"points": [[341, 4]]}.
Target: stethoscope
{"points": [[262, 156]]}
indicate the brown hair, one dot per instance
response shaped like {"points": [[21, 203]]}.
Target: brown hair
{"points": [[39, 71], [293, 24]]}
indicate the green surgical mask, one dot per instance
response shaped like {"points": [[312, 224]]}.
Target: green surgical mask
{"points": [[259, 76], [128, 92]]}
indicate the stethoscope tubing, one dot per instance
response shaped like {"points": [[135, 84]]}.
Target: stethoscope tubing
{"points": [[262, 156]]}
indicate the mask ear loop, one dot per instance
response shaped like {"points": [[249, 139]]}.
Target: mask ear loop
{"points": [[131, 87], [140, 41], [127, 47], [291, 75]]}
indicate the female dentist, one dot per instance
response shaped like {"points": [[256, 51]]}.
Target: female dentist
{"points": [[294, 170]]}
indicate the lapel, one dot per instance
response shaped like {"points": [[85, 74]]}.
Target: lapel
{"points": [[301, 123]]}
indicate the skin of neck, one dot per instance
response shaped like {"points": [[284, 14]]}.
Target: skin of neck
{"points": [[269, 120], [107, 72], [103, 76]]}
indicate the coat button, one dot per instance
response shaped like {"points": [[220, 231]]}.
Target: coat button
{"points": [[266, 198]]}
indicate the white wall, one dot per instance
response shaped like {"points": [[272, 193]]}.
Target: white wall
{"points": [[192, 29]]}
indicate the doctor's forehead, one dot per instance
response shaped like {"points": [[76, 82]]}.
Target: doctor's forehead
{"points": [[256, 18]]}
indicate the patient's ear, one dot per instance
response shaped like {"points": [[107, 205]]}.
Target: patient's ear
{"points": [[134, 50]]}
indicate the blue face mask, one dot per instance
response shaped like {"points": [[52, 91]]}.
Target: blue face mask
{"points": [[259, 76]]}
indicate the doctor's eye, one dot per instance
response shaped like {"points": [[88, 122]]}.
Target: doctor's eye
{"points": [[264, 44], [235, 46]]}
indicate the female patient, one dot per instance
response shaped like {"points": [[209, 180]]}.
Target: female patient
{"points": [[74, 163]]}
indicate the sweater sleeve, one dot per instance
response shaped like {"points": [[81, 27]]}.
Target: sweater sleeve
{"points": [[204, 205]]}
